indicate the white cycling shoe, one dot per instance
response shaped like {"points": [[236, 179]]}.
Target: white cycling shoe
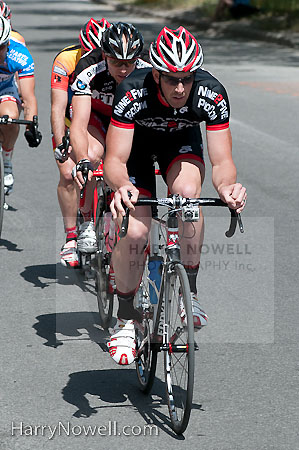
{"points": [[8, 178], [87, 241], [122, 344], [69, 255], [200, 318]]}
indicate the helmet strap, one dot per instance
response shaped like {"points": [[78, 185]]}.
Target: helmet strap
{"points": [[161, 90]]}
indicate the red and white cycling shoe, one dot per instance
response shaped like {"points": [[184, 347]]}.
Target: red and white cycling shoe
{"points": [[122, 344], [69, 255]]}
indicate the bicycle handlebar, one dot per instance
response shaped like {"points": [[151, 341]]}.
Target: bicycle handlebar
{"points": [[5, 120], [177, 202]]}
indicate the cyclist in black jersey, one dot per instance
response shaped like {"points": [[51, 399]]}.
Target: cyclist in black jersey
{"points": [[96, 76], [158, 112]]}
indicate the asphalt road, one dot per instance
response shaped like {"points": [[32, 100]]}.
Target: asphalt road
{"points": [[54, 369]]}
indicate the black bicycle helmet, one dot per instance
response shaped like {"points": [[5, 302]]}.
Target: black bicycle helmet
{"points": [[122, 41]]}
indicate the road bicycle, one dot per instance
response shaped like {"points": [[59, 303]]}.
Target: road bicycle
{"points": [[164, 299], [6, 120]]}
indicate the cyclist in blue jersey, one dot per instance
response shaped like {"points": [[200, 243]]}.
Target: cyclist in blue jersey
{"points": [[15, 59]]}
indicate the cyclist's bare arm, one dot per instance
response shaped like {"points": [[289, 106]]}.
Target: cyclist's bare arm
{"points": [[59, 100], [27, 86], [224, 174], [78, 131], [118, 149]]}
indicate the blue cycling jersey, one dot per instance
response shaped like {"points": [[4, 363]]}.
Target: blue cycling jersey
{"points": [[17, 60]]}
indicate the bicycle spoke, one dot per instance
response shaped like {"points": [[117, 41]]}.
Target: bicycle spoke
{"points": [[146, 360]]}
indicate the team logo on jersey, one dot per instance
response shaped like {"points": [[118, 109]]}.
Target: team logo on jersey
{"points": [[59, 70], [185, 149], [81, 85], [183, 110]]}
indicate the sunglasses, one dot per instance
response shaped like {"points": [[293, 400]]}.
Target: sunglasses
{"points": [[173, 81], [121, 62]]}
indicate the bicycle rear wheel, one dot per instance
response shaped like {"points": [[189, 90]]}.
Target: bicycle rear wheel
{"points": [[146, 356], [179, 354], [146, 349], [104, 277], [1, 191]]}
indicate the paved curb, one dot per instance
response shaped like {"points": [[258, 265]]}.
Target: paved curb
{"points": [[234, 29]]}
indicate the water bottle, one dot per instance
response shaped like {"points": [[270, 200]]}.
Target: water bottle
{"points": [[155, 269]]}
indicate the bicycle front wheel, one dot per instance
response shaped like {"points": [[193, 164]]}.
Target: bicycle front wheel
{"points": [[179, 351], [1, 191]]}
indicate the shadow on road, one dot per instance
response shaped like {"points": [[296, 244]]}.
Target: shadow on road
{"points": [[56, 273], [106, 386], [70, 326], [10, 246]]}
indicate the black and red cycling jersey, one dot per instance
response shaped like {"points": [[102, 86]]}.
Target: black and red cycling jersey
{"points": [[138, 103], [93, 78]]}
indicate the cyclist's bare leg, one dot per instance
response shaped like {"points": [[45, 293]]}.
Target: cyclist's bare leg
{"points": [[128, 255], [67, 194], [9, 133], [185, 177], [96, 145]]}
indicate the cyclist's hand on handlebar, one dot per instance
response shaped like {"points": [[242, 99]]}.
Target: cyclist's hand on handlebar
{"points": [[63, 150], [61, 154], [32, 135], [234, 195], [126, 195], [82, 172]]}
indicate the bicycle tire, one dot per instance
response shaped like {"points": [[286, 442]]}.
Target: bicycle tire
{"points": [[146, 349], [179, 357], [1, 191], [105, 295]]}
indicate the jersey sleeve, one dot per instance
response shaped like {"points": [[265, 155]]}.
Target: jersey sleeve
{"points": [[22, 60], [59, 75], [212, 101], [82, 78], [127, 103]]}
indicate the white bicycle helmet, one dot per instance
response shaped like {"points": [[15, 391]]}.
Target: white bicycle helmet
{"points": [[91, 34], [5, 10], [5, 29], [176, 51]]}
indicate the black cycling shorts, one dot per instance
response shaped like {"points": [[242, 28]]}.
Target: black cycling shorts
{"points": [[165, 148]]}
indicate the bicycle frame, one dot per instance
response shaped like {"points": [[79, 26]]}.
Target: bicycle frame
{"points": [[172, 248]]}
